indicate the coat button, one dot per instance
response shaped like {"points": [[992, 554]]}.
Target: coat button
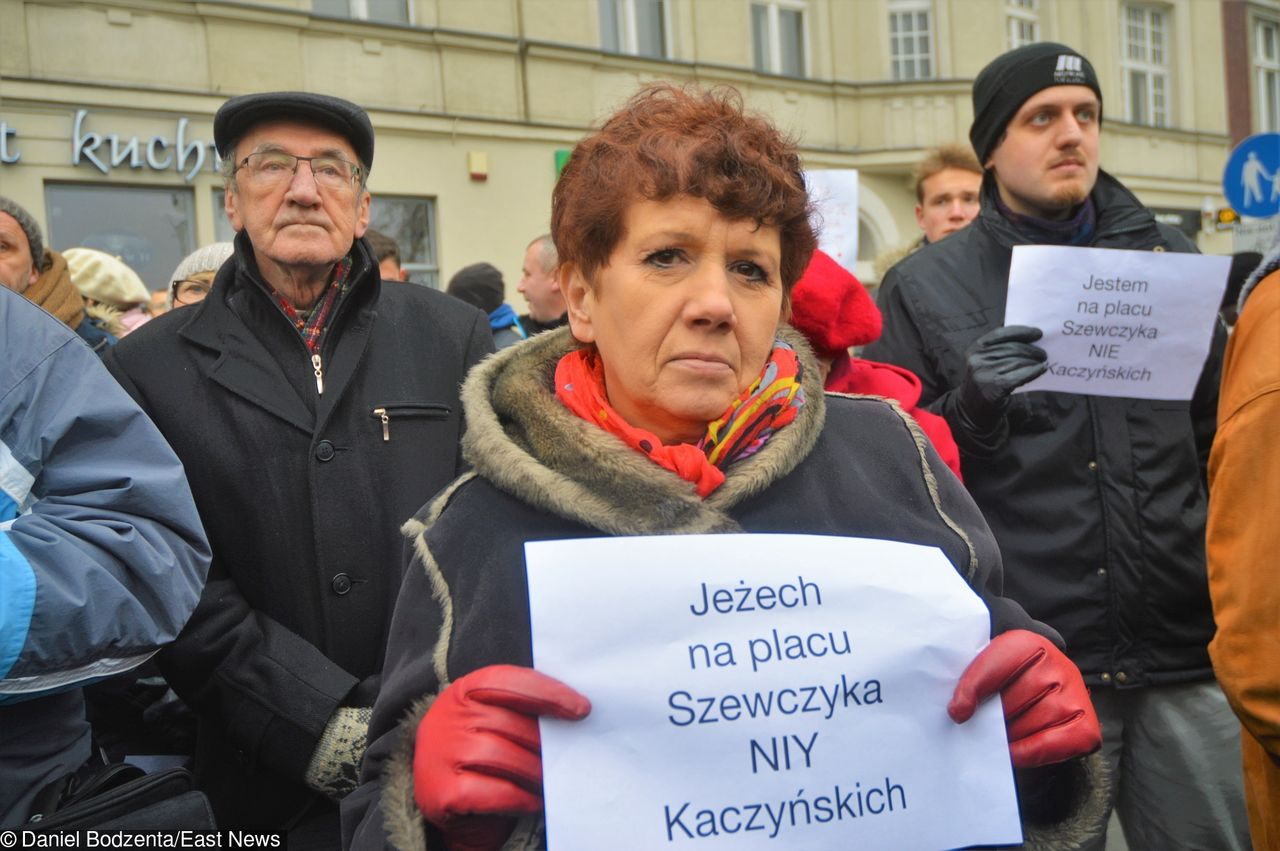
{"points": [[341, 584], [1106, 678], [324, 450], [1093, 466], [1122, 677]]}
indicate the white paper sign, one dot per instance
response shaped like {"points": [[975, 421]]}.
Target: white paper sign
{"points": [[835, 198], [764, 692], [1117, 323]]}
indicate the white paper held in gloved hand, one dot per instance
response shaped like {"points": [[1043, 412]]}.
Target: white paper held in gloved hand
{"points": [[764, 692]]}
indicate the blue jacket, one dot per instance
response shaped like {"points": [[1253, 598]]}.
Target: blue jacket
{"points": [[102, 555]]}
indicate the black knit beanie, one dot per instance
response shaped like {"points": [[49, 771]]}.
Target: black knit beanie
{"points": [[479, 285], [1011, 78]]}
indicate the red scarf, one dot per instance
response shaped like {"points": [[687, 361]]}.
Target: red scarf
{"points": [[770, 402]]}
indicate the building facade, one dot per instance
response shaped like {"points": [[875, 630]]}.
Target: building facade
{"points": [[106, 105]]}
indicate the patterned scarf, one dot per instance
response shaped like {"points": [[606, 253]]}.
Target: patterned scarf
{"points": [[769, 403], [1077, 230], [312, 325]]}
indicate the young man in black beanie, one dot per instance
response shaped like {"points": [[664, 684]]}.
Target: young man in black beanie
{"points": [[1098, 502]]}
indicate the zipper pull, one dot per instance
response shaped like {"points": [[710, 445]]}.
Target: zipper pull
{"points": [[386, 423], [315, 364]]}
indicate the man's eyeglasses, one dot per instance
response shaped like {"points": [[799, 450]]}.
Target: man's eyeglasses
{"points": [[190, 292], [274, 168]]}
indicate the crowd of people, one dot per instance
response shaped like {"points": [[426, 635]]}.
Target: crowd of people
{"points": [[286, 514]]}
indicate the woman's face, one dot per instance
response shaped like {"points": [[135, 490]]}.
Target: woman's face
{"points": [[684, 315]]}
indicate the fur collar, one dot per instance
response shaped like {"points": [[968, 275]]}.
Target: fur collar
{"points": [[525, 442]]}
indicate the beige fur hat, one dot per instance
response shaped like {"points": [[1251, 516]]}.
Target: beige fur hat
{"points": [[105, 279]]}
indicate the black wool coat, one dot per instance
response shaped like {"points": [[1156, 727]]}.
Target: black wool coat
{"points": [[302, 494]]}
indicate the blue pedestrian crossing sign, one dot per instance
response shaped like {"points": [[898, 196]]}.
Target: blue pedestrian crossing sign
{"points": [[1251, 180]]}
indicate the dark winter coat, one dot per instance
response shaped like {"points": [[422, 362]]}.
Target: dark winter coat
{"points": [[550, 475], [302, 495], [1098, 502]]}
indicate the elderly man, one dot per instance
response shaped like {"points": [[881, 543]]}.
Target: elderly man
{"points": [[1098, 503], [40, 275], [316, 408], [538, 285]]}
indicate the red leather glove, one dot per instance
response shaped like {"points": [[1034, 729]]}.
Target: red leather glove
{"points": [[1047, 710], [478, 756]]}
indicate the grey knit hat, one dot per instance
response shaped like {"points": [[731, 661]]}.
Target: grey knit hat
{"points": [[34, 238], [207, 259]]}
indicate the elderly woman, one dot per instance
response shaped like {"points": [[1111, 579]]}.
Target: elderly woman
{"points": [[674, 404]]}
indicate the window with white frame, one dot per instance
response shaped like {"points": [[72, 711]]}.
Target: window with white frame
{"points": [[1266, 72], [380, 11], [1022, 22], [638, 27], [1145, 61], [911, 39], [411, 222], [778, 37]]}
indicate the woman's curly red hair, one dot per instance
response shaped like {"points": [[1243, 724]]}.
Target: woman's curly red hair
{"points": [[668, 141]]}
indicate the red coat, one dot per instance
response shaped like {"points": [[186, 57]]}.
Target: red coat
{"points": [[833, 311]]}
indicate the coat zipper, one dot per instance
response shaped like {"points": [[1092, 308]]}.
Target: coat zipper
{"points": [[430, 410], [319, 370]]}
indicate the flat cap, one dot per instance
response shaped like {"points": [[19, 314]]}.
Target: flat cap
{"points": [[239, 115]]}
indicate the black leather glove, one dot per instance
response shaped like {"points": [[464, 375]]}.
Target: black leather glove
{"points": [[997, 363]]}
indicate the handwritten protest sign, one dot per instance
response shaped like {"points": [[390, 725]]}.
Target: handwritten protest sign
{"points": [[1117, 323], [764, 691]]}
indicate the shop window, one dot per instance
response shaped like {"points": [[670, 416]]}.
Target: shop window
{"points": [[1022, 23], [150, 228], [911, 39], [638, 27], [1266, 69], [380, 11], [779, 45], [1146, 65]]}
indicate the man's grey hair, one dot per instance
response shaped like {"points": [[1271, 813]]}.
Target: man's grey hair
{"points": [[548, 257], [29, 226]]}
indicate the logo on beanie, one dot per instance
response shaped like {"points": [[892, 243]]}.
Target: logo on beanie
{"points": [[1070, 69]]}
